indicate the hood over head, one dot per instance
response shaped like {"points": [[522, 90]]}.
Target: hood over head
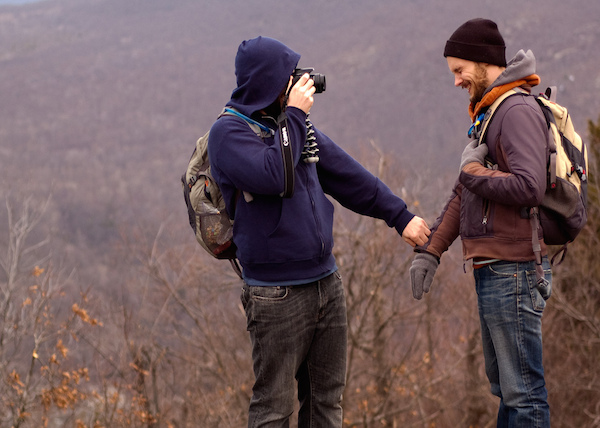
{"points": [[263, 67]]}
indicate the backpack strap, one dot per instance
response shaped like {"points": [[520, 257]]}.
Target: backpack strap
{"points": [[485, 121], [264, 130], [551, 93], [236, 268], [534, 220], [259, 129], [286, 147]]}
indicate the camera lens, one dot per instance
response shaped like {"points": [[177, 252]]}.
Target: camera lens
{"points": [[319, 80]]}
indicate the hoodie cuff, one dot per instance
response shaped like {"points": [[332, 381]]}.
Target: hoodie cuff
{"points": [[405, 218]]}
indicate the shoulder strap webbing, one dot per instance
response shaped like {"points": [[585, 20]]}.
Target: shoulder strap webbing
{"points": [[259, 129], [264, 130], [491, 110], [286, 147]]}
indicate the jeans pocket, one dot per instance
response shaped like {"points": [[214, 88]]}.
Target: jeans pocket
{"points": [[267, 293], [265, 305]]}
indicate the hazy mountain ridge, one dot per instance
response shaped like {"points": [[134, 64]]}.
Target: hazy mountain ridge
{"points": [[102, 100]]}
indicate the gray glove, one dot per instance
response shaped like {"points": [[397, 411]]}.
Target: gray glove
{"points": [[474, 152], [422, 271]]}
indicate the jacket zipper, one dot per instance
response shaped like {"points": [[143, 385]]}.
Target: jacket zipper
{"points": [[317, 222], [486, 214]]}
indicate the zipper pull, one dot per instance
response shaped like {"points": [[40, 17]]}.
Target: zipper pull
{"points": [[484, 221]]}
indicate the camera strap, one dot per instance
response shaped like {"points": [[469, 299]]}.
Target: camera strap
{"points": [[286, 153]]}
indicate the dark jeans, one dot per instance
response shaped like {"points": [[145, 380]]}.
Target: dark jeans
{"points": [[510, 311], [298, 333]]}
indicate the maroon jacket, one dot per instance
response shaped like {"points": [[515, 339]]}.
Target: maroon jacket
{"points": [[486, 206]]}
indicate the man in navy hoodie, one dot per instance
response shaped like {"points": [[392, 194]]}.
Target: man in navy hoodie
{"points": [[292, 294]]}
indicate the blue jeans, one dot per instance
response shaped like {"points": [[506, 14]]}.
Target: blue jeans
{"points": [[298, 333], [510, 311]]}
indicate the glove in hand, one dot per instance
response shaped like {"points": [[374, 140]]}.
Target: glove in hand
{"points": [[474, 152], [422, 271]]}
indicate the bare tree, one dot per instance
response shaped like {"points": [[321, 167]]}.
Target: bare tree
{"points": [[178, 351], [410, 363], [40, 383]]}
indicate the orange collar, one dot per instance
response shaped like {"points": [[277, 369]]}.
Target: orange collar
{"points": [[491, 96]]}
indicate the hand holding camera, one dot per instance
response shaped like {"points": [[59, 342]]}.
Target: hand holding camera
{"points": [[304, 83], [301, 93], [317, 78]]}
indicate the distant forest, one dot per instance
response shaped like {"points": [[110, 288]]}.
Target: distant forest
{"points": [[110, 313]]}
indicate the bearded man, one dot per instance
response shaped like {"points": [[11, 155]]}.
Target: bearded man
{"points": [[489, 209]]}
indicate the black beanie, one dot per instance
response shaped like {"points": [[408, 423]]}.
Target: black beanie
{"points": [[477, 40]]}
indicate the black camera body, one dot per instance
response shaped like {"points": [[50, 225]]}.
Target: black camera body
{"points": [[318, 78]]}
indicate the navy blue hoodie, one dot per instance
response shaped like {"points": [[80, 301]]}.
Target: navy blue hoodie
{"points": [[286, 240]]}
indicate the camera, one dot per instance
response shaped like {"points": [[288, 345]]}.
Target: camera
{"points": [[318, 78]]}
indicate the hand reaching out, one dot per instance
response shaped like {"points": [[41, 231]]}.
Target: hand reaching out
{"points": [[416, 232]]}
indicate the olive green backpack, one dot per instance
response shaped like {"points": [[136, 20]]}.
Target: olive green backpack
{"points": [[205, 204]]}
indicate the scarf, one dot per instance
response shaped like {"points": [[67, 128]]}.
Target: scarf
{"points": [[489, 98]]}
